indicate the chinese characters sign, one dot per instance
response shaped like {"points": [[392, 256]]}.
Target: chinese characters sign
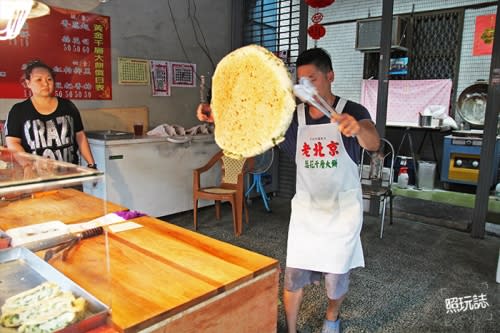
{"points": [[484, 35], [320, 153], [160, 79], [76, 45]]}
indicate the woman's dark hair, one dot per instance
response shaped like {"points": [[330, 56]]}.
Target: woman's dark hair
{"points": [[316, 56], [36, 64]]}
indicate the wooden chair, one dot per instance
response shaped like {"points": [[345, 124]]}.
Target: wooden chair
{"points": [[231, 188]]}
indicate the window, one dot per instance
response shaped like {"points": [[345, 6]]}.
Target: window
{"points": [[273, 24]]}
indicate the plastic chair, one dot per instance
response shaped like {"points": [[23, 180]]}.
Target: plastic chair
{"points": [[376, 176], [231, 188]]}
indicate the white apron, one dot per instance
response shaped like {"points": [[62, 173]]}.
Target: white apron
{"points": [[327, 208]]}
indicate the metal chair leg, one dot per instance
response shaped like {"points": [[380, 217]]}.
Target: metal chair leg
{"points": [[383, 217], [390, 208]]}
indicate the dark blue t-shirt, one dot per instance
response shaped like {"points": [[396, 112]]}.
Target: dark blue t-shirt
{"points": [[358, 111]]}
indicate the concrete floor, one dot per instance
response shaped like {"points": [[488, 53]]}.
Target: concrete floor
{"points": [[408, 277]]}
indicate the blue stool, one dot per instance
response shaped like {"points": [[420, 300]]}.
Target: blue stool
{"points": [[259, 187], [261, 164]]}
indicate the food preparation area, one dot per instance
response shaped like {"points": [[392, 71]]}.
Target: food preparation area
{"points": [[409, 275]]}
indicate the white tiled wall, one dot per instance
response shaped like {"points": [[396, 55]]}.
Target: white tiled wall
{"points": [[348, 63], [472, 68]]}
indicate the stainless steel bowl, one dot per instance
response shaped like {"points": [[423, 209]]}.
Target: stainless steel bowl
{"points": [[472, 103]]}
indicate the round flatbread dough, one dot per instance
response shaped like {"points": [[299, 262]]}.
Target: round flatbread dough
{"points": [[252, 101]]}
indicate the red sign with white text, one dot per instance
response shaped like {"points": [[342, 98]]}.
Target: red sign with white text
{"points": [[76, 45]]}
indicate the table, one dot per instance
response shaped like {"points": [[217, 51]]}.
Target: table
{"points": [[428, 132]]}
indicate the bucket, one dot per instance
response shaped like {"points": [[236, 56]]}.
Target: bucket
{"points": [[426, 174]]}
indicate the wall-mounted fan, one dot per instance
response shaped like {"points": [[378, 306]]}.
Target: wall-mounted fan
{"points": [[258, 168]]}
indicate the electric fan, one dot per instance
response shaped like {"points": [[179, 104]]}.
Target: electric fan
{"points": [[261, 163]]}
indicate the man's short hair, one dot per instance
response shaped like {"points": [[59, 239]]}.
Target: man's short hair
{"points": [[316, 56]]}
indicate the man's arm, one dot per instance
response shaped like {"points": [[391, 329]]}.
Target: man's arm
{"points": [[364, 130], [368, 137]]}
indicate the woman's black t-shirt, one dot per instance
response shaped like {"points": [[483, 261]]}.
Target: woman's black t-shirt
{"points": [[52, 136]]}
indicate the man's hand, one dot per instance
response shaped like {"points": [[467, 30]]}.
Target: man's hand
{"points": [[347, 124], [204, 113]]}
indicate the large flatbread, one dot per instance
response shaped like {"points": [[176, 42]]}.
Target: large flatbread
{"points": [[252, 101]]}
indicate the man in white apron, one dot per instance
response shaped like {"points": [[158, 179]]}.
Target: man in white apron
{"points": [[326, 218]]}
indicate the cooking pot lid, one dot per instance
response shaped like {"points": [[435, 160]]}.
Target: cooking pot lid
{"points": [[472, 103]]}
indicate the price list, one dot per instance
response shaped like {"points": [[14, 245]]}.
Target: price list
{"points": [[75, 44]]}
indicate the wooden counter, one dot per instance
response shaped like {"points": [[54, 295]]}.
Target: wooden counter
{"points": [[163, 278]]}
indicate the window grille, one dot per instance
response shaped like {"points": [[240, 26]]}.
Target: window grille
{"points": [[435, 45], [273, 24], [434, 42]]}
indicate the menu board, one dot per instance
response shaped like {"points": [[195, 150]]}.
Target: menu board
{"points": [[76, 45]]}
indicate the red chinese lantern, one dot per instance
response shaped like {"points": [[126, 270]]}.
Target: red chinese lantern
{"points": [[319, 3], [316, 31]]}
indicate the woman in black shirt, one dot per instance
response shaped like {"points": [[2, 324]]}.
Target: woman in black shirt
{"points": [[46, 125]]}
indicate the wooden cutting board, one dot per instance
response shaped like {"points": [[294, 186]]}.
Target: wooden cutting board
{"points": [[159, 270], [68, 206]]}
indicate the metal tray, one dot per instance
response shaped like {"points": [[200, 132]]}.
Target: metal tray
{"points": [[203, 137], [21, 269]]}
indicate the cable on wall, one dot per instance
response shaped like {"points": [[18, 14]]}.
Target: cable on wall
{"points": [[177, 32], [196, 24]]}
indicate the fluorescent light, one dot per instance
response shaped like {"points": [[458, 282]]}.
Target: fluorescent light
{"points": [[38, 9], [14, 13]]}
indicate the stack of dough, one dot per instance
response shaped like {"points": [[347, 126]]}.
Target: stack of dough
{"points": [[252, 101], [43, 309]]}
